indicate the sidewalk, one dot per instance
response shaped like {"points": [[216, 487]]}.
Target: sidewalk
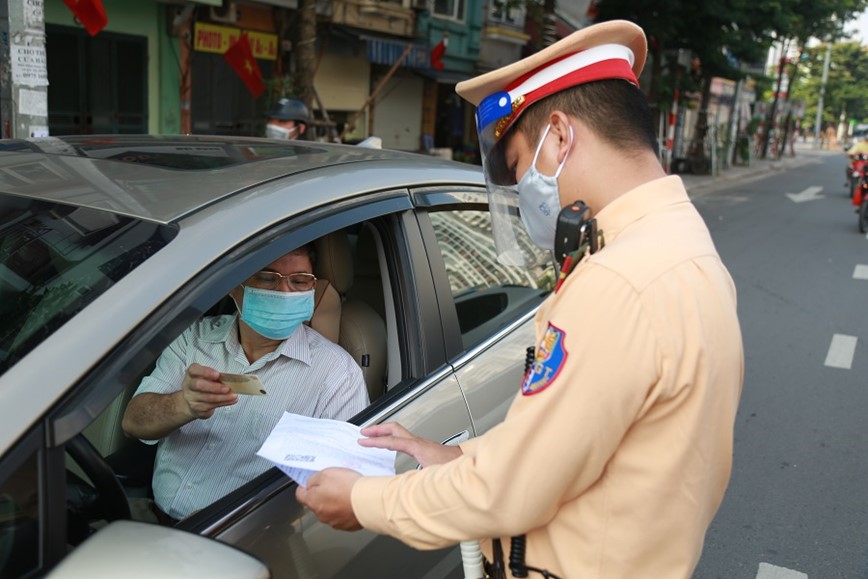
{"points": [[757, 169]]}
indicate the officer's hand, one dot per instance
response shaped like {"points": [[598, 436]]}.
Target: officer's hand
{"points": [[395, 437], [328, 496], [204, 393]]}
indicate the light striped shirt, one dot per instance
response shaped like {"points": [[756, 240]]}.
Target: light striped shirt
{"points": [[206, 459]]}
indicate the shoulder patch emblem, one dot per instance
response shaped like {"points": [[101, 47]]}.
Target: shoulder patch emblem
{"points": [[551, 355]]}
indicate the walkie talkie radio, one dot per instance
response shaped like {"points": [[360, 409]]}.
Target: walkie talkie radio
{"points": [[575, 233], [575, 227]]}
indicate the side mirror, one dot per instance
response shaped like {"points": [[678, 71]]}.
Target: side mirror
{"points": [[142, 550]]}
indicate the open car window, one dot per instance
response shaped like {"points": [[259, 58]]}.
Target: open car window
{"points": [[355, 311]]}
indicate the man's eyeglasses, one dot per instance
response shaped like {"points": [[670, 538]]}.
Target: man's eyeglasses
{"points": [[297, 281]]}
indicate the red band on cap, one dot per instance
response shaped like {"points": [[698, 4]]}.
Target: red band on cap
{"points": [[615, 68]]}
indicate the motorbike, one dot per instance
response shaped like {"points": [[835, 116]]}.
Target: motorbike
{"points": [[855, 169], [860, 197]]}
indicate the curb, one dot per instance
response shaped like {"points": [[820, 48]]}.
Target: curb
{"points": [[757, 170]]}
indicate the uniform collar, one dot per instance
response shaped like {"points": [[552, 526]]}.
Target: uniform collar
{"points": [[639, 202], [225, 331]]}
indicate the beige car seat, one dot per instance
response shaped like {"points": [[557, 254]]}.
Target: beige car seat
{"points": [[326, 310], [367, 282], [362, 330]]}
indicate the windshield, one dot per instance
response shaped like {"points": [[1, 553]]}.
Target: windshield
{"points": [[56, 259]]}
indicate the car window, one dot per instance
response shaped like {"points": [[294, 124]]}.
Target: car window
{"points": [[56, 259], [356, 318], [488, 294]]}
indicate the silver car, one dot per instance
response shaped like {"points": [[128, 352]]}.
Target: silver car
{"points": [[111, 246]]}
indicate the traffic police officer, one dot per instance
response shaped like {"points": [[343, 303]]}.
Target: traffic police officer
{"points": [[287, 119], [617, 449]]}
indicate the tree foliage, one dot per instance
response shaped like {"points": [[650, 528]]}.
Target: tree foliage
{"points": [[846, 87], [726, 35]]}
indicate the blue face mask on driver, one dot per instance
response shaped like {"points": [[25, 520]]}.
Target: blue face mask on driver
{"points": [[276, 314]]}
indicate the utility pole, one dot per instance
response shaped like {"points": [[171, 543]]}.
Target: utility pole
{"points": [[825, 77], [770, 122], [23, 70]]}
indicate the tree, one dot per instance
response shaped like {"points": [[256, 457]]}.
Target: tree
{"points": [[846, 87], [305, 51], [721, 34], [805, 20], [726, 33]]}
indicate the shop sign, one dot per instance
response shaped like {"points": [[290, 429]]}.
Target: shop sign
{"points": [[216, 39], [28, 65]]}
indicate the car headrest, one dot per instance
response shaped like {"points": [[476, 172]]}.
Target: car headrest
{"points": [[335, 260]]}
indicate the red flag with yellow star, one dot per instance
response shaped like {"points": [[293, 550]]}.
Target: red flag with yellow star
{"points": [[91, 14], [240, 58]]}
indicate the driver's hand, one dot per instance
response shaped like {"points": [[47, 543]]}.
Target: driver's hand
{"points": [[204, 393]]}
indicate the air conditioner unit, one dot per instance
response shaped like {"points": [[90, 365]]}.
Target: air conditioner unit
{"points": [[228, 14]]}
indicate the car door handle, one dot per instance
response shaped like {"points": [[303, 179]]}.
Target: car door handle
{"points": [[453, 440], [457, 439]]}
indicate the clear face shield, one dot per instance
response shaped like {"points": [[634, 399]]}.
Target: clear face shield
{"points": [[513, 244], [495, 117]]}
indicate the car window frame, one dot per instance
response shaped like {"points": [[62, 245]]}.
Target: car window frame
{"points": [[438, 199], [201, 292], [404, 240]]}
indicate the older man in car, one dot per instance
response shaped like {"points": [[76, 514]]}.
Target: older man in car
{"points": [[207, 433]]}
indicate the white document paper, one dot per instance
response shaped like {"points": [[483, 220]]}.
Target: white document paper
{"points": [[301, 446]]}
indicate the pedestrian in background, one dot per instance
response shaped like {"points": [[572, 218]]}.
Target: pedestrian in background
{"points": [[288, 119]]}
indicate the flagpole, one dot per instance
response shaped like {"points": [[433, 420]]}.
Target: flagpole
{"points": [[377, 90]]}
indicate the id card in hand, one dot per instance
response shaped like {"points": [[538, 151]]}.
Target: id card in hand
{"points": [[244, 384]]}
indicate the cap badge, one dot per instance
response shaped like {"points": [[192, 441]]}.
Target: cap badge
{"points": [[504, 122]]}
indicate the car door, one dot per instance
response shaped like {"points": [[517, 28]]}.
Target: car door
{"points": [[488, 306]]}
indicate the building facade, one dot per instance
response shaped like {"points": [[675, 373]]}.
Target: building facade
{"points": [[383, 67], [123, 80]]}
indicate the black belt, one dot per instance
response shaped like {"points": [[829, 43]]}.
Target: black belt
{"points": [[162, 517]]}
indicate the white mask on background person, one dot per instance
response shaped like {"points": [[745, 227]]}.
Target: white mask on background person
{"points": [[539, 200], [281, 133]]}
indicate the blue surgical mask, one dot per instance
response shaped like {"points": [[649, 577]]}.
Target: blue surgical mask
{"points": [[275, 314], [539, 199]]}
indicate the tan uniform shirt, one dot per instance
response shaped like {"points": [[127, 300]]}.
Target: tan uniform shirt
{"points": [[615, 455]]}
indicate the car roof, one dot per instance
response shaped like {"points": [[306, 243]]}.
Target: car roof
{"points": [[164, 178]]}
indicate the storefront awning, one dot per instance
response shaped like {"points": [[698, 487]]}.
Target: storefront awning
{"points": [[387, 51]]}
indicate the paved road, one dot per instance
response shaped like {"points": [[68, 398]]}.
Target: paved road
{"points": [[797, 505]]}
